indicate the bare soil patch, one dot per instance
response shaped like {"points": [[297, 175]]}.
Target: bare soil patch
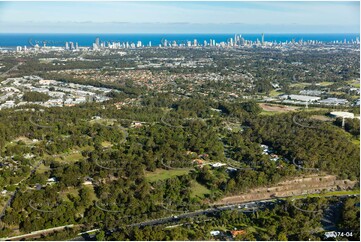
{"points": [[277, 108], [295, 187]]}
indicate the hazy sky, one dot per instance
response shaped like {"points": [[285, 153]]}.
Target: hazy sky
{"points": [[179, 17]]}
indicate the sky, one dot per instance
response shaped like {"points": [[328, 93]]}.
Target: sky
{"points": [[180, 17]]}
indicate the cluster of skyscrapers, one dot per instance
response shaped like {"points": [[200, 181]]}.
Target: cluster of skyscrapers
{"points": [[71, 46], [117, 45], [237, 41]]}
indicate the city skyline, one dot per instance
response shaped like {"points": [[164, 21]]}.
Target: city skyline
{"points": [[180, 17]]}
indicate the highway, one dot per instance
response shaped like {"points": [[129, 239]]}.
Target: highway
{"points": [[244, 207], [39, 232], [247, 207]]}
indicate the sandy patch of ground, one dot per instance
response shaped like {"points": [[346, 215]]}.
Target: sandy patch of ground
{"points": [[299, 186], [277, 108]]}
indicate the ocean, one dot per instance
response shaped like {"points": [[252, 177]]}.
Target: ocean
{"points": [[12, 40]]}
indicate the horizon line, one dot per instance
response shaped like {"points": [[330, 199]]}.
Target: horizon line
{"points": [[178, 33]]}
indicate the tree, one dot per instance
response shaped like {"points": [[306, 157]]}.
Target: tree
{"points": [[100, 236]]}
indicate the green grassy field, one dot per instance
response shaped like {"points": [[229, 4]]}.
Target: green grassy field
{"points": [[42, 169], [304, 84], [334, 193], [106, 122], [325, 84], [354, 83], [199, 190], [70, 190], [69, 158], [275, 93], [300, 85], [161, 174], [106, 144], [269, 113]]}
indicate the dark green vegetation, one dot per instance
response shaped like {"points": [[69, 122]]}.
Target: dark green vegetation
{"points": [[35, 97], [351, 125], [70, 144], [115, 167]]}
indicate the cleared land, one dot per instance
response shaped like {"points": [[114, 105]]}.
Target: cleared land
{"points": [[354, 83], [69, 158], [42, 169], [275, 93], [277, 108], [199, 190], [296, 187], [161, 174], [324, 84]]}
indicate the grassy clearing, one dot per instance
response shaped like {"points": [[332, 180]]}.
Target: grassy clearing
{"points": [[70, 190], [161, 174], [86, 148], [269, 113], [93, 196], [42, 169], [324, 84], [24, 139], [354, 83], [106, 122], [337, 93], [333, 193], [14, 142], [275, 93], [106, 144], [69, 158], [300, 84], [312, 109], [199, 190]]}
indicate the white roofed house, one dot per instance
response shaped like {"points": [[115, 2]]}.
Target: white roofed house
{"points": [[215, 232], [51, 181], [217, 164]]}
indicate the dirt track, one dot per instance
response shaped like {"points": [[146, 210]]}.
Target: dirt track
{"points": [[300, 186]]}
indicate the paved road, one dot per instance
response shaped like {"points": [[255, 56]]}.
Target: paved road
{"points": [[250, 208], [246, 207], [36, 233]]}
